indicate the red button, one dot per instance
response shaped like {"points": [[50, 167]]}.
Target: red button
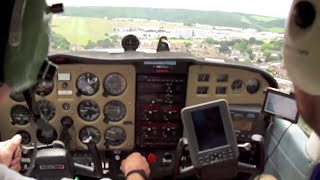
{"points": [[151, 158]]}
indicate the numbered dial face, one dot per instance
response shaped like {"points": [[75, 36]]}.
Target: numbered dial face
{"points": [[253, 86], [237, 86], [88, 84], [47, 109], [94, 133], [89, 110], [115, 84], [44, 87], [114, 111], [20, 115], [115, 136]]}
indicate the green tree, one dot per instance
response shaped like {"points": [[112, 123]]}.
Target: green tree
{"points": [[224, 49], [252, 56], [267, 53], [211, 41], [59, 42], [242, 46], [90, 45]]}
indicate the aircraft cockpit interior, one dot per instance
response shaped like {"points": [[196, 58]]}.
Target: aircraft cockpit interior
{"points": [[190, 117]]}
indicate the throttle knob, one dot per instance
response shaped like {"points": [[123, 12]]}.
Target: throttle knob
{"points": [[304, 14]]}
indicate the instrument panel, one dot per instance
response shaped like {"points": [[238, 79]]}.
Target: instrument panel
{"points": [[99, 99], [132, 103]]}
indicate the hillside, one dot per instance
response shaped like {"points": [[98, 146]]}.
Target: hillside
{"points": [[214, 18]]}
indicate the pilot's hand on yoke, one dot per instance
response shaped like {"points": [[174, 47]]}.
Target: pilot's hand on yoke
{"points": [[135, 162], [10, 153]]}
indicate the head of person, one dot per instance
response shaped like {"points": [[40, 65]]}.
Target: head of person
{"points": [[302, 58], [23, 44]]}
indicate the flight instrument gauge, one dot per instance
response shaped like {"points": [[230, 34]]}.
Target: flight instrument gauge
{"points": [[88, 110], [253, 86], [47, 109], [20, 115], [114, 84], [93, 132], [115, 136], [88, 84], [114, 111], [237, 86], [44, 87]]}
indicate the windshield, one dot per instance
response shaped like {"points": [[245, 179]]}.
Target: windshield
{"points": [[248, 31]]}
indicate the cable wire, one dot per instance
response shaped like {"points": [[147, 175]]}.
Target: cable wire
{"points": [[282, 135]]}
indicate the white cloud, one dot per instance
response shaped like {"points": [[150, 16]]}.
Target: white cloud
{"points": [[277, 8]]}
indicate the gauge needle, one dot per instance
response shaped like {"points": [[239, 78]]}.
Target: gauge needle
{"points": [[92, 81]]}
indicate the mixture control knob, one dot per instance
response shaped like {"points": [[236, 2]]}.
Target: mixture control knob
{"points": [[151, 158]]}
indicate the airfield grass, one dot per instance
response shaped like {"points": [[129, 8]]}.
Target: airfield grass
{"points": [[263, 18], [79, 30], [276, 29]]}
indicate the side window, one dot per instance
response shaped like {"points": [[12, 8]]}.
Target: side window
{"points": [[305, 127]]}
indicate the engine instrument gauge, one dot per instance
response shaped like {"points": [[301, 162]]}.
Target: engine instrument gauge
{"points": [[88, 84], [253, 86], [17, 97], [94, 133], [237, 86], [114, 111], [47, 109], [88, 110], [44, 87], [26, 138], [115, 136], [115, 84], [20, 115]]}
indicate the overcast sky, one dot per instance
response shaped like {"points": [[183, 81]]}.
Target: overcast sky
{"points": [[276, 8]]}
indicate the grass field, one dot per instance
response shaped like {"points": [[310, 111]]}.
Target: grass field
{"points": [[276, 29], [263, 18], [79, 30]]}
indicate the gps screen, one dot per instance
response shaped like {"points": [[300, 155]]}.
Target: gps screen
{"points": [[209, 128], [281, 106]]}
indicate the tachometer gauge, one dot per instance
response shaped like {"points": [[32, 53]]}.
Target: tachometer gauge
{"points": [[20, 115], [44, 87], [88, 110], [17, 97], [237, 86], [94, 133], [115, 84], [115, 136], [114, 111], [88, 84], [253, 86], [47, 109]]}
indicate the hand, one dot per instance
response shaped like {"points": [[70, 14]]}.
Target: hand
{"points": [[135, 162], [10, 153]]}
